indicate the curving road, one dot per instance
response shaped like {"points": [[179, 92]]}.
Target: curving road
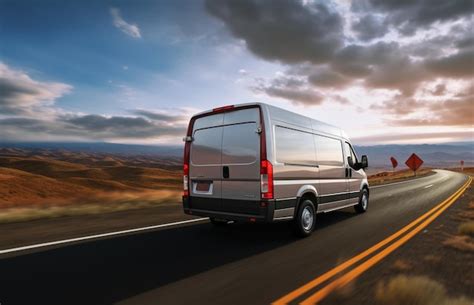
{"points": [[195, 263]]}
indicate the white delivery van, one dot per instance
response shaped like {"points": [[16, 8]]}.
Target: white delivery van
{"points": [[256, 162]]}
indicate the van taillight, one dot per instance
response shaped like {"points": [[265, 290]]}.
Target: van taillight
{"points": [[187, 149], [266, 179], [186, 180]]}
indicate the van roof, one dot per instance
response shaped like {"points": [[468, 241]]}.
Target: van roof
{"points": [[281, 114]]}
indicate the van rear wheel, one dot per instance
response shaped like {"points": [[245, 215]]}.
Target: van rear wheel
{"points": [[363, 204], [305, 219], [218, 222]]}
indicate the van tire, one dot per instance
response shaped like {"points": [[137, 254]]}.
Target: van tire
{"points": [[218, 222], [305, 219], [363, 204]]}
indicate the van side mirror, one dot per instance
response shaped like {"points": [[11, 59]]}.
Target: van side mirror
{"points": [[364, 163]]}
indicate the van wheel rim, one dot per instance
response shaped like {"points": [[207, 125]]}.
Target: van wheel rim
{"points": [[307, 218], [364, 201]]}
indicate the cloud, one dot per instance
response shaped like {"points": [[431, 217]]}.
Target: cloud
{"points": [[325, 77], [369, 27], [397, 137], [128, 28], [451, 112], [409, 16], [290, 88], [21, 95], [287, 31], [162, 116], [74, 127], [28, 112], [110, 127], [299, 97], [457, 65]]}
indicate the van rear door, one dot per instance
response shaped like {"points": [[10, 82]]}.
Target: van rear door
{"points": [[224, 169], [205, 166], [241, 161]]}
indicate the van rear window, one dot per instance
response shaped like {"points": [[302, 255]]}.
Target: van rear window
{"points": [[206, 146], [240, 144]]}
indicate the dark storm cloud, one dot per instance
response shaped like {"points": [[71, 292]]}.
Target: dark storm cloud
{"points": [[120, 126], [282, 30], [89, 127], [407, 16], [325, 77], [369, 27], [458, 65], [296, 96], [292, 88]]}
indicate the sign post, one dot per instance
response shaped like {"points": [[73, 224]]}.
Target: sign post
{"points": [[414, 162], [394, 162], [462, 165]]}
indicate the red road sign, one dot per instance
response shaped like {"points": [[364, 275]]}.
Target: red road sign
{"points": [[414, 162], [394, 162]]}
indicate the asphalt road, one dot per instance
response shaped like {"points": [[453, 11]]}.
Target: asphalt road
{"points": [[196, 263]]}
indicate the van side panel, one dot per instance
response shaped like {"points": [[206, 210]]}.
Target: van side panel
{"points": [[295, 160]]}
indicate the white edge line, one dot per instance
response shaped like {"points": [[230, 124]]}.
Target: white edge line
{"points": [[428, 186], [70, 240]]}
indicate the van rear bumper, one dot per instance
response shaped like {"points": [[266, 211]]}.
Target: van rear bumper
{"points": [[237, 210]]}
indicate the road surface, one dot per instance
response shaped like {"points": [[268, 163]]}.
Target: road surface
{"points": [[195, 263]]}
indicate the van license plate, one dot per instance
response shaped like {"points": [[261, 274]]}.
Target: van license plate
{"points": [[203, 186]]}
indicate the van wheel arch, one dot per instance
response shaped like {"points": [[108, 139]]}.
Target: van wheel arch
{"points": [[308, 195]]}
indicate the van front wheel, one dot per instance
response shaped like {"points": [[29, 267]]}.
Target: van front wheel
{"points": [[305, 219], [363, 204]]}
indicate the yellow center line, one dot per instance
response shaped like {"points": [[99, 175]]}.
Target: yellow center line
{"points": [[324, 277], [356, 272]]}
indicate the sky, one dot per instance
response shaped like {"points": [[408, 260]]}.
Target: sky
{"points": [[386, 71]]}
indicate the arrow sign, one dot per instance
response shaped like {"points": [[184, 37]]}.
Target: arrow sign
{"points": [[414, 162], [394, 162]]}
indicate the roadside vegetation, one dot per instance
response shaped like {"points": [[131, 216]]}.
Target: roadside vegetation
{"points": [[447, 251], [394, 176], [415, 290]]}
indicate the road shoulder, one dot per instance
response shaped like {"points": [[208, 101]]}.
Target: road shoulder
{"points": [[437, 259]]}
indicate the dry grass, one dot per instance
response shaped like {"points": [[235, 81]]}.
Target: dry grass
{"points": [[115, 202], [467, 170], [386, 177], [401, 265], [466, 228], [463, 243], [37, 181], [56, 184], [434, 259], [415, 290]]}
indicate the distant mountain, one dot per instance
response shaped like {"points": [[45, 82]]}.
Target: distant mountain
{"points": [[100, 147], [435, 155]]}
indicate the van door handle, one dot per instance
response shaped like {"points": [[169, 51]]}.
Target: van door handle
{"points": [[348, 172], [225, 172]]}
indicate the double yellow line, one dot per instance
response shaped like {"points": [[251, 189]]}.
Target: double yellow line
{"points": [[413, 228]]}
